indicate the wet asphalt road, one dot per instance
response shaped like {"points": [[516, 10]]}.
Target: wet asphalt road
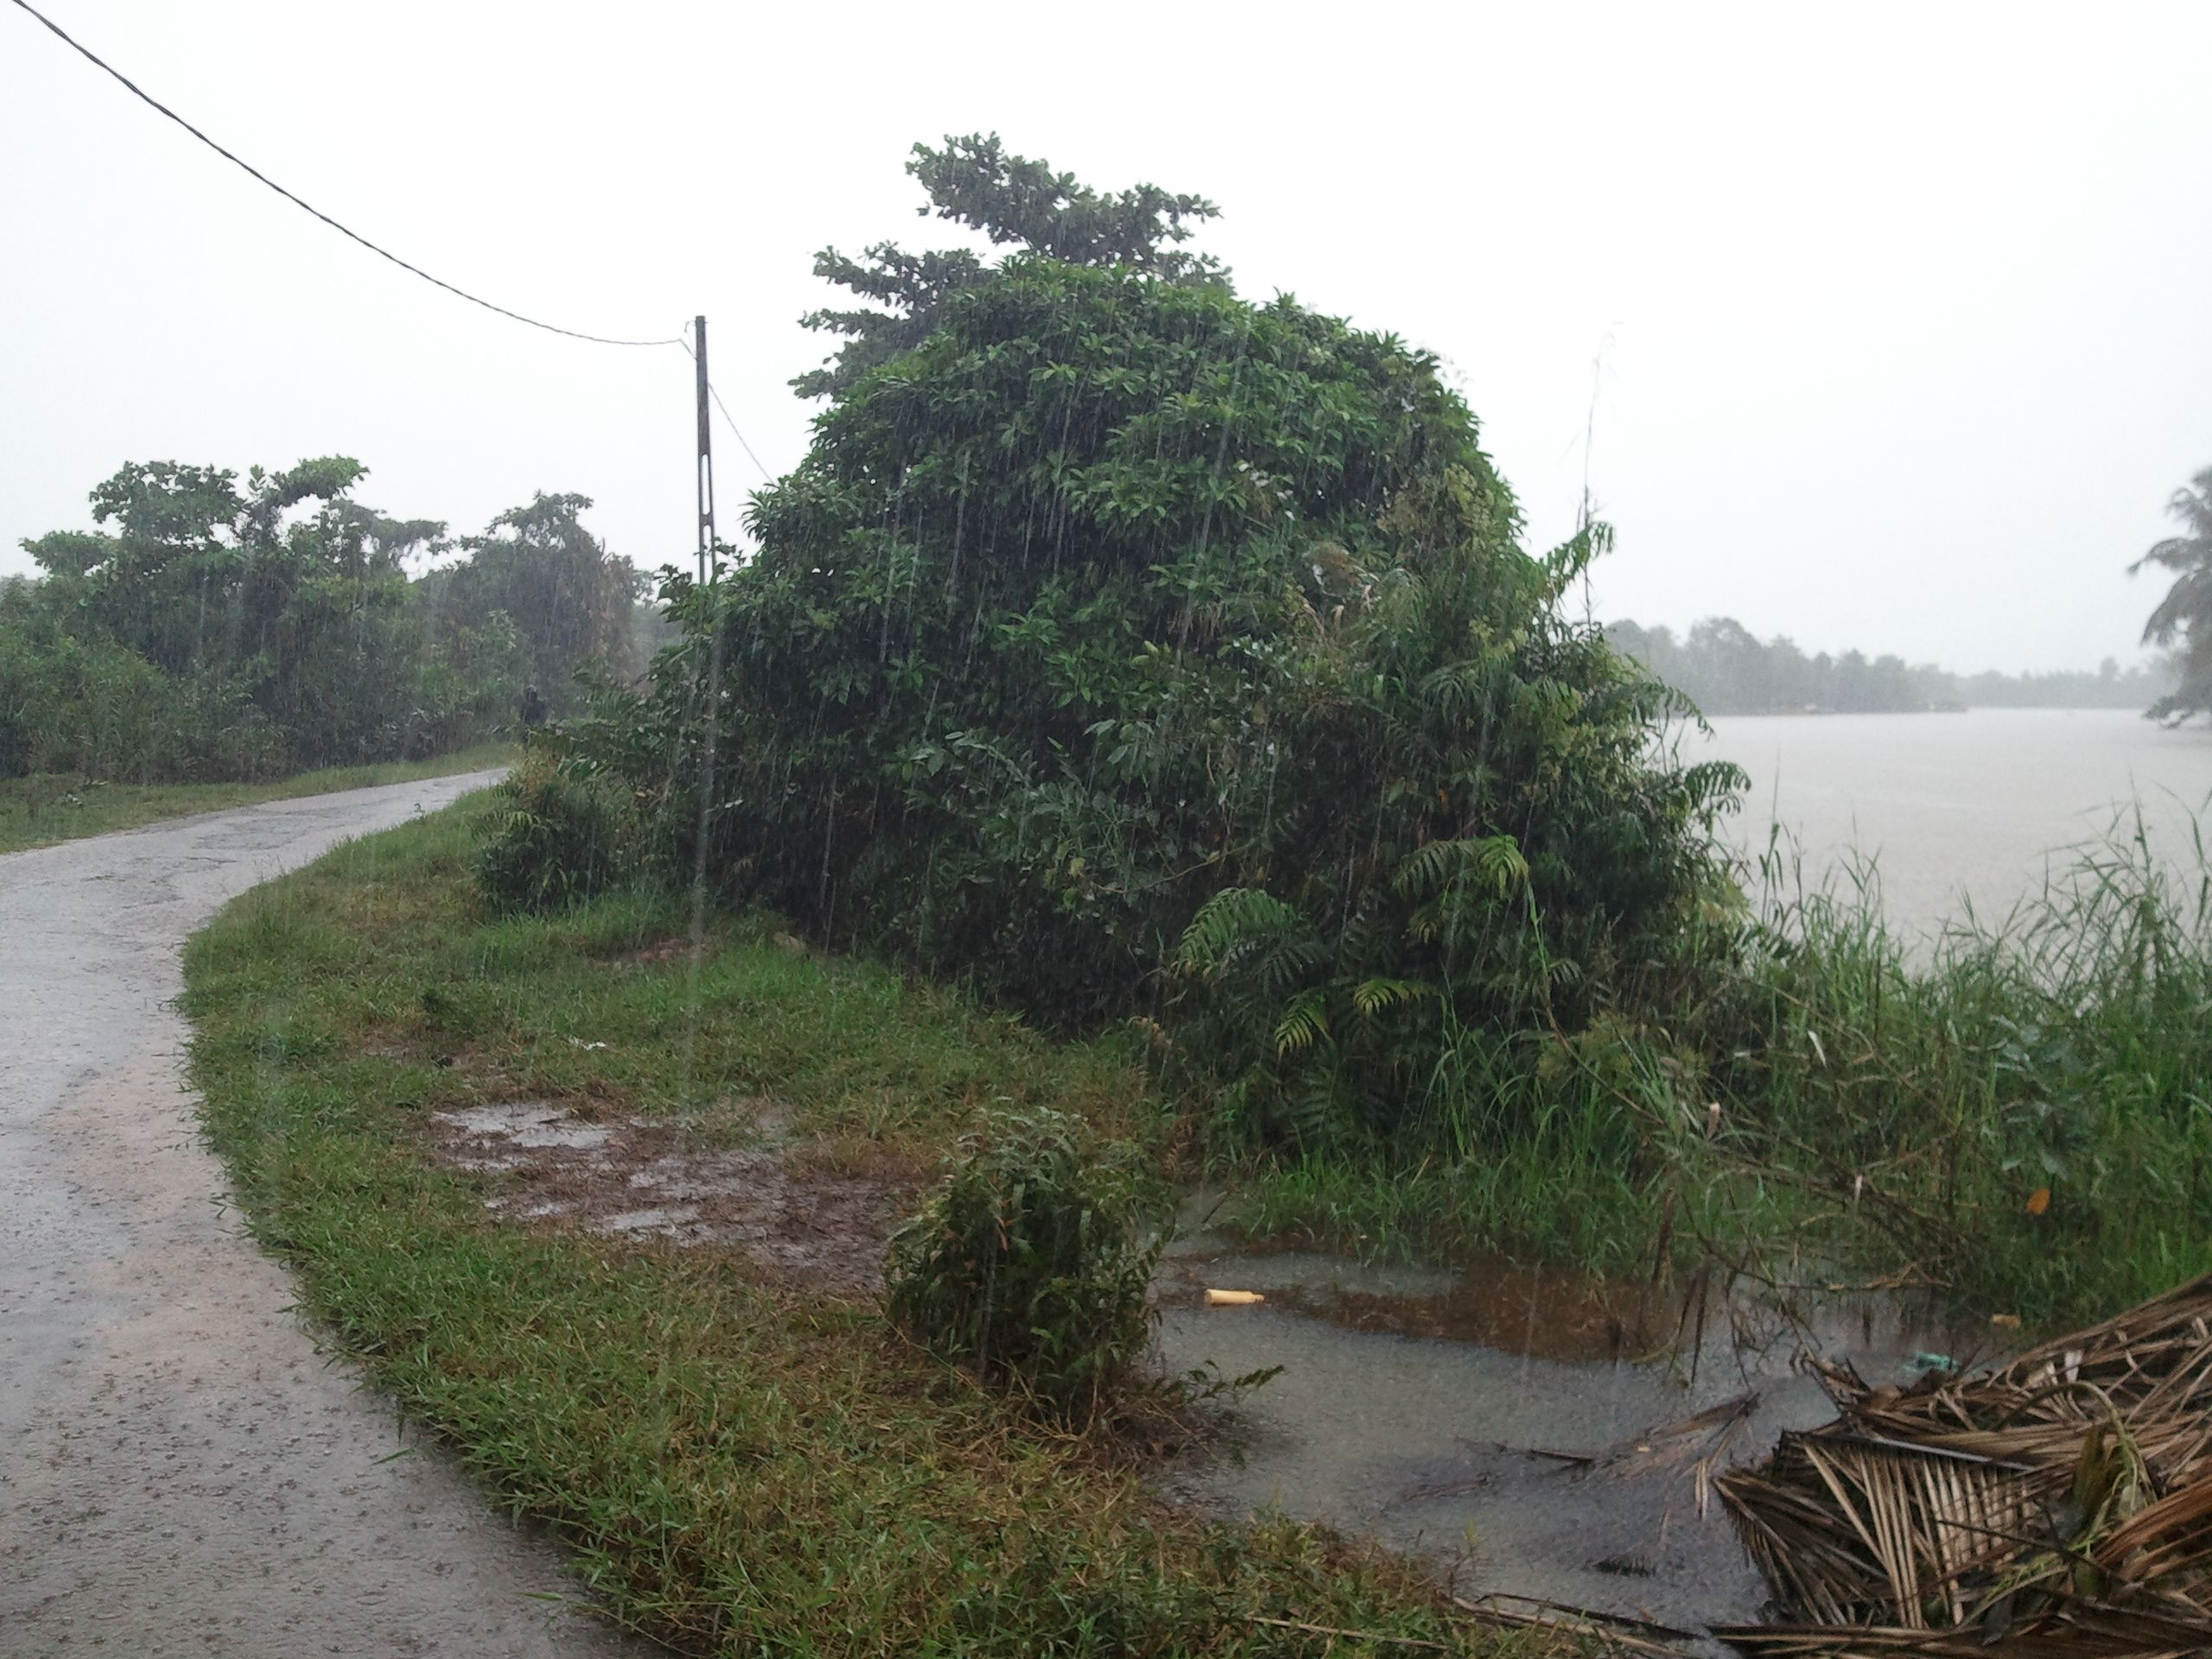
{"points": [[180, 1472]]}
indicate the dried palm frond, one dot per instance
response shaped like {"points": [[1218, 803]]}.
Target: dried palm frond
{"points": [[1700, 1443], [2088, 1635], [2061, 1505]]}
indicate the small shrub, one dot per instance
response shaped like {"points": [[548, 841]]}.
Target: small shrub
{"points": [[1032, 1261], [557, 835]]}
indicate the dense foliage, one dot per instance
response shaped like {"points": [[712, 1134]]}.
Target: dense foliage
{"points": [[1127, 646], [2184, 619], [214, 631], [2015, 1111], [570, 600], [1724, 669]]}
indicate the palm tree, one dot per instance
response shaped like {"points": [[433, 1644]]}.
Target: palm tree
{"points": [[2185, 615]]}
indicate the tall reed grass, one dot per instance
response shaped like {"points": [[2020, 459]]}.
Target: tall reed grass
{"points": [[2018, 1109]]}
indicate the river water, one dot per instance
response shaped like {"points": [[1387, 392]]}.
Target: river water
{"points": [[1954, 808]]}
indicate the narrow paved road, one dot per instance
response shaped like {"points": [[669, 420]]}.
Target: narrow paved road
{"points": [[180, 1472]]}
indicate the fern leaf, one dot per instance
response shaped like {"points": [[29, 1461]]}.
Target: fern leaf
{"points": [[1304, 1023], [1372, 996]]}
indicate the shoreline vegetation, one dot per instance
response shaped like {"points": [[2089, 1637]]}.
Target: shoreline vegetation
{"points": [[45, 809], [2013, 1115]]}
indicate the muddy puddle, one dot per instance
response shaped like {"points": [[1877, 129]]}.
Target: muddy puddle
{"points": [[541, 1163], [1530, 1433]]}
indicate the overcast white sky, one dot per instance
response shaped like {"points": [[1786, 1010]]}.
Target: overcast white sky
{"points": [[1904, 312]]}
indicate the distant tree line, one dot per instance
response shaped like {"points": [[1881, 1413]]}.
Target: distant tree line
{"points": [[1726, 669], [210, 630]]}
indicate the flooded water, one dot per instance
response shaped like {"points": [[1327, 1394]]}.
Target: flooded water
{"points": [[1521, 1430], [1953, 804]]}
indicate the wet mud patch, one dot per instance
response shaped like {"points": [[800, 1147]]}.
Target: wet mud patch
{"points": [[540, 1163]]}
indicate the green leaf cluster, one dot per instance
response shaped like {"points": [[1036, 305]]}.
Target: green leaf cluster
{"points": [[1010, 200], [2183, 621], [556, 835], [1031, 1260]]}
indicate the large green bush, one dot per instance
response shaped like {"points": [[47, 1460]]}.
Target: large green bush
{"points": [[1127, 646], [91, 706]]}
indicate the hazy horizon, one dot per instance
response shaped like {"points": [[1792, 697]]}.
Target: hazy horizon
{"points": [[1895, 322]]}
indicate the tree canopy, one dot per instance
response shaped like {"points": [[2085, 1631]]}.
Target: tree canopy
{"points": [[1013, 200], [570, 600], [214, 628]]}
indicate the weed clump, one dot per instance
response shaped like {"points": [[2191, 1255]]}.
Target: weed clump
{"points": [[559, 834], [1031, 1262]]}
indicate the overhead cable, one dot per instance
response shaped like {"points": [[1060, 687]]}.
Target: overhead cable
{"points": [[138, 92], [727, 420]]}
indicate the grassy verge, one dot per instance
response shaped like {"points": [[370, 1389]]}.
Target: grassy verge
{"points": [[38, 811], [740, 1466]]}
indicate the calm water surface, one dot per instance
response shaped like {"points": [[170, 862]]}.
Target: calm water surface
{"points": [[1959, 807], [1494, 1421]]}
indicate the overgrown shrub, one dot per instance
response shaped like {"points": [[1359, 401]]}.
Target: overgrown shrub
{"points": [[556, 834], [72, 705], [1031, 1260], [1127, 646]]}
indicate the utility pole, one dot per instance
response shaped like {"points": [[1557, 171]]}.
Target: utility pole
{"points": [[708, 560], [710, 704]]}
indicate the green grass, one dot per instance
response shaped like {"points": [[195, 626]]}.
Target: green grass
{"points": [[739, 1467], [48, 807]]}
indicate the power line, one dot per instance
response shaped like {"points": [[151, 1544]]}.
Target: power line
{"points": [[136, 92], [573, 333]]}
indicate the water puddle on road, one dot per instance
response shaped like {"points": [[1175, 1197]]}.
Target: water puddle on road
{"points": [[1535, 1433]]}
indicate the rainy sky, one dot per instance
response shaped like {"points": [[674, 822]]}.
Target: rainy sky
{"points": [[1895, 322]]}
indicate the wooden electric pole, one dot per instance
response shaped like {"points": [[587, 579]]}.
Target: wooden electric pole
{"points": [[708, 559]]}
